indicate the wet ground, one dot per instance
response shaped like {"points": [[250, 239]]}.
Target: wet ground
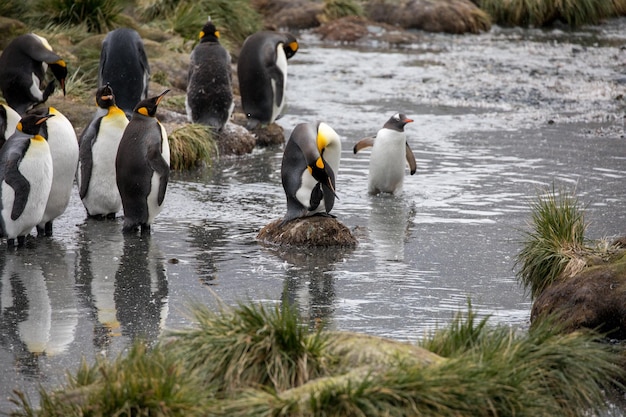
{"points": [[498, 118]]}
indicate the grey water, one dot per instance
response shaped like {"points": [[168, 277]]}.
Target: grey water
{"points": [[498, 118]]}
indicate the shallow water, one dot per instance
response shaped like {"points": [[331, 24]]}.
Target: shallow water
{"points": [[498, 117]]}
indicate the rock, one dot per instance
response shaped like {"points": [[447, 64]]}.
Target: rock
{"points": [[9, 29], [450, 16], [234, 140], [357, 28], [292, 14], [321, 231]]}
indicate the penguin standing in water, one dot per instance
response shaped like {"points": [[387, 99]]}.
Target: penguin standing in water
{"points": [[8, 122], [389, 150], [23, 66], [209, 99], [124, 65], [262, 73], [142, 166], [25, 179], [308, 170], [98, 149], [63, 144]]}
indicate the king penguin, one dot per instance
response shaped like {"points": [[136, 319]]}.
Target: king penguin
{"points": [[262, 74], [25, 179], [98, 149], [308, 170], [209, 99], [8, 122], [23, 66], [142, 166], [124, 65], [389, 150], [63, 144]]}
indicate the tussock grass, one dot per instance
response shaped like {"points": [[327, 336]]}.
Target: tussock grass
{"points": [[555, 238], [539, 13], [335, 9], [191, 146], [97, 15]]}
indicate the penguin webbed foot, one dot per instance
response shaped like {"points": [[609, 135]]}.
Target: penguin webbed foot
{"points": [[332, 216], [45, 231]]}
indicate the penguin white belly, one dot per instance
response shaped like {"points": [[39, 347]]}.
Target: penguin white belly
{"points": [[103, 196], [303, 195], [35, 88], [64, 150], [281, 63], [386, 168], [36, 167], [153, 204]]}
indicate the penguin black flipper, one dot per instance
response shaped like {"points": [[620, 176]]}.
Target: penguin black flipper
{"points": [[14, 178], [278, 77], [85, 155], [410, 158], [160, 166], [364, 143]]}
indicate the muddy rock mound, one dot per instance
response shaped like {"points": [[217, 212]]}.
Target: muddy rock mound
{"points": [[450, 16], [320, 231], [234, 140], [358, 28], [293, 14], [594, 298]]}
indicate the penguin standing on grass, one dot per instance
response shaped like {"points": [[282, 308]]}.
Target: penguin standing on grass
{"points": [[8, 122], [209, 99], [262, 73], [98, 149], [142, 166], [25, 179], [63, 144], [389, 151], [23, 66], [308, 170], [124, 65]]}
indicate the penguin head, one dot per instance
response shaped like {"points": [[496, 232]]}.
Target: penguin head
{"points": [[32, 122], [148, 107], [397, 122], [59, 69], [105, 97], [209, 32], [290, 45]]}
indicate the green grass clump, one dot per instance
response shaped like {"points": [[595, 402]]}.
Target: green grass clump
{"points": [[540, 13], [335, 9], [97, 15], [556, 237], [192, 146]]}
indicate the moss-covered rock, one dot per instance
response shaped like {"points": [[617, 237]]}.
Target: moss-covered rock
{"points": [[322, 231]]}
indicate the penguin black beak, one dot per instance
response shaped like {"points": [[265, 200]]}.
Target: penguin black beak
{"points": [[332, 188], [160, 96], [63, 86]]}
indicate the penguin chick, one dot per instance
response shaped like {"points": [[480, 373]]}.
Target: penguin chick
{"points": [[142, 166], [8, 122], [389, 150], [209, 99], [23, 66], [262, 74], [63, 144], [124, 64], [25, 179], [97, 152], [308, 170]]}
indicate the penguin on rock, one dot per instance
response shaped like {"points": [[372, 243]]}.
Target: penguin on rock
{"points": [[308, 170], [98, 149], [25, 179], [63, 145], [262, 74], [23, 66], [209, 99], [124, 65], [389, 151], [142, 166], [8, 122]]}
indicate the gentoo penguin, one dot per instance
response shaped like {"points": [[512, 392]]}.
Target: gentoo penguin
{"points": [[8, 122], [309, 167], [142, 166], [63, 144], [209, 99], [98, 149], [25, 179], [23, 66], [124, 64], [262, 73], [389, 150]]}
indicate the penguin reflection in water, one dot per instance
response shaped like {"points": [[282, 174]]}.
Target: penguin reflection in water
{"points": [[262, 73], [389, 150], [309, 166], [209, 98], [23, 66], [142, 166], [25, 179]]}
